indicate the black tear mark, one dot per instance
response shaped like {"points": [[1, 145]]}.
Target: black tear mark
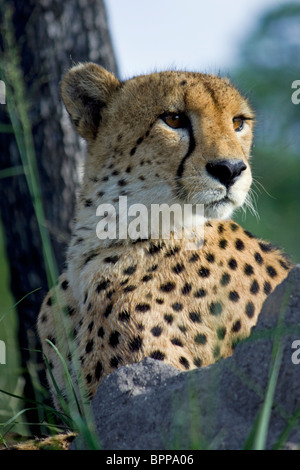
{"points": [[191, 148]]}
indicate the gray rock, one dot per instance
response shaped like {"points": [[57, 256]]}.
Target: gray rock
{"points": [[151, 405]]}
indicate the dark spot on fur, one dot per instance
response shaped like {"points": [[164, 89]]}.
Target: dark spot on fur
{"points": [[283, 264], [194, 258], [197, 362], [64, 285], [204, 272], [178, 268], [147, 278], [267, 288], [266, 247], [169, 318], [186, 289], [220, 228], [221, 333], [111, 259], [124, 316], [254, 287], [136, 344], [129, 288], [210, 258], [157, 355], [215, 308], [223, 243], [176, 342], [89, 346], [88, 203], [168, 287], [200, 293], [271, 271], [195, 317], [155, 248], [232, 264], [236, 327], [102, 286], [225, 279], [239, 244], [200, 339], [258, 258], [101, 332], [114, 339], [172, 251], [142, 308], [108, 310], [156, 331], [70, 310], [98, 370], [248, 269], [250, 309], [249, 235], [183, 361], [114, 361], [89, 378], [130, 270], [234, 296], [177, 307]]}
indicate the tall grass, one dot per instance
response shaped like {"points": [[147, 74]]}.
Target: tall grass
{"points": [[18, 110]]}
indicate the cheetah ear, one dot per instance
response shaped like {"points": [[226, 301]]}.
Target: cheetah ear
{"points": [[85, 90]]}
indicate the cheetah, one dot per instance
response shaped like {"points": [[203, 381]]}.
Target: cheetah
{"points": [[165, 138]]}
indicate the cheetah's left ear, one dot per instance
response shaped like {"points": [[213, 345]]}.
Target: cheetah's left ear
{"points": [[85, 90]]}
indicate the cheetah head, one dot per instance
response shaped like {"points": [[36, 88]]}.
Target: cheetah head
{"points": [[169, 137]]}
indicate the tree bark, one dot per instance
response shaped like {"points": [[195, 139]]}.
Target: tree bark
{"points": [[51, 36]]}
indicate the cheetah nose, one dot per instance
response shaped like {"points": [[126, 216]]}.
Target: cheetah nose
{"points": [[226, 171]]}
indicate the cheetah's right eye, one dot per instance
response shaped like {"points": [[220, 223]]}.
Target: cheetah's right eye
{"points": [[175, 120]]}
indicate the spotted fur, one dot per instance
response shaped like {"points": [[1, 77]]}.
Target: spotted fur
{"points": [[123, 300]]}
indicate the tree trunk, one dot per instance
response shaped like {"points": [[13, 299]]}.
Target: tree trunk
{"points": [[51, 35]]}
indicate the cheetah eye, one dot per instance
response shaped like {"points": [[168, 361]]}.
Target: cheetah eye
{"points": [[238, 123], [175, 120]]}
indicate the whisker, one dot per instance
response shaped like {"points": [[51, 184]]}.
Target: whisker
{"points": [[257, 183]]}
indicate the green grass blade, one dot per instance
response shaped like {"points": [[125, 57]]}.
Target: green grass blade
{"points": [[17, 303], [292, 422], [59, 414], [12, 171], [11, 423], [260, 438], [69, 379], [6, 128]]}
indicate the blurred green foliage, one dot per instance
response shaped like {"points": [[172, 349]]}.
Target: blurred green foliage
{"points": [[269, 64], [10, 373]]}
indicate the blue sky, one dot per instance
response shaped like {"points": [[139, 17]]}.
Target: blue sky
{"points": [[200, 35]]}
